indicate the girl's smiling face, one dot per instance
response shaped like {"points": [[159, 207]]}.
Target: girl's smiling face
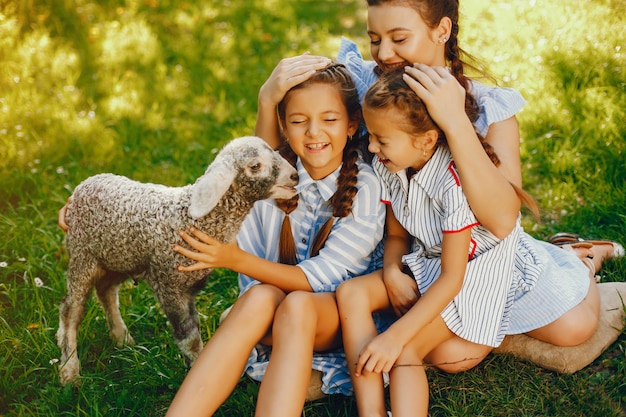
{"points": [[400, 37], [317, 126], [394, 147]]}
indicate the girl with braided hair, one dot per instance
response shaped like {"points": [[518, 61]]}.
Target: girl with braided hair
{"points": [[291, 256], [471, 287]]}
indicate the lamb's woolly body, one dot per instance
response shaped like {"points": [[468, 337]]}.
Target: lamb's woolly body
{"points": [[119, 228], [110, 213]]}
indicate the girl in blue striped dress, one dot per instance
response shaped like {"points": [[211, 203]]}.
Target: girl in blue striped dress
{"points": [[291, 256], [470, 286]]}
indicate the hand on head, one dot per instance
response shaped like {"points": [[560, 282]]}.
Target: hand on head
{"points": [[439, 90], [288, 73]]}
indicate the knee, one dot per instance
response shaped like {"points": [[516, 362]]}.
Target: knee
{"points": [[296, 311], [350, 295], [575, 329], [259, 301]]}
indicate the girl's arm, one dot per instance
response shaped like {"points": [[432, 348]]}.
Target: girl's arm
{"points": [[288, 73], [401, 288], [487, 187], [382, 352], [214, 254]]}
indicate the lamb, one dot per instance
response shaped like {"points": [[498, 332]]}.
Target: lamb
{"points": [[120, 228]]}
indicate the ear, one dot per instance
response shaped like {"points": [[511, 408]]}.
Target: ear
{"points": [[353, 125], [283, 126], [426, 140], [430, 138], [209, 189], [444, 29]]}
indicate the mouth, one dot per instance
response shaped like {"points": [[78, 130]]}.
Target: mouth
{"points": [[316, 146], [393, 67], [383, 160]]}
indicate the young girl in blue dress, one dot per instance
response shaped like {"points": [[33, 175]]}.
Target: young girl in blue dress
{"points": [[291, 256]]}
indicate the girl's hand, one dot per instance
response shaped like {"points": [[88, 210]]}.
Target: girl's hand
{"points": [[441, 92], [379, 355], [288, 73], [401, 290], [211, 253], [61, 216]]}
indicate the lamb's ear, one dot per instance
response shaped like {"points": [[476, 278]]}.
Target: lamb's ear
{"points": [[208, 190]]}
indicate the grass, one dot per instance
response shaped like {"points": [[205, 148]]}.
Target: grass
{"points": [[150, 89]]}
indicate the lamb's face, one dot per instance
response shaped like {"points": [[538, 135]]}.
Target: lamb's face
{"points": [[264, 174]]}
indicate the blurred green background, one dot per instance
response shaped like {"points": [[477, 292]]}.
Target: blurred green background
{"points": [[152, 88]]}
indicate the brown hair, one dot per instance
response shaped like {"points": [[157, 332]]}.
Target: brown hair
{"points": [[390, 90], [337, 75]]}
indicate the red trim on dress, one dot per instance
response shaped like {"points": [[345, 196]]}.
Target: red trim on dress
{"points": [[452, 169]]}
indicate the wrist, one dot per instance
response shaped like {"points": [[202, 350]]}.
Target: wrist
{"points": [[461, 127]]}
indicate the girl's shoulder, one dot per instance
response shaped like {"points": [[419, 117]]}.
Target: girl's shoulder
{"points": [[495, 104], [361, 70]]}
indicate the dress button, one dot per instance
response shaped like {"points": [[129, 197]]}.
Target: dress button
{"points": [[303, 240]]}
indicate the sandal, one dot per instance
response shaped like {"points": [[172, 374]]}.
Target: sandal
{"points": [[575, 241]]}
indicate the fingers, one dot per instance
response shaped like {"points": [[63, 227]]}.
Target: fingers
{"points": [[423, 78], [196, 256], [204, 237], [300, 68], [194, 267], [61, 216], [370, 361]]}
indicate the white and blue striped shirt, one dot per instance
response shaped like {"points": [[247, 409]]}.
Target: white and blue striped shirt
{"points": [[348, 250]]}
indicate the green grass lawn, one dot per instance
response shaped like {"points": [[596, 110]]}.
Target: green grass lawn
{"points": [[151, 89]]}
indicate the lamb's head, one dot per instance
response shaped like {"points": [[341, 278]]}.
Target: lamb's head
{"points": [[251, 167]]}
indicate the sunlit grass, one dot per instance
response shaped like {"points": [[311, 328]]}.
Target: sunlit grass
{"points": [[152, 88]]}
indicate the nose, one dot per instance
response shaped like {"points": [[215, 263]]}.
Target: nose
{"points": [[372, 147], [313, 129], [385, 51]]}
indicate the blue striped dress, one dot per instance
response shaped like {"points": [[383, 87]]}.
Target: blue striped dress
{"points": [[432, 203], [547, 280], [353, 248]]}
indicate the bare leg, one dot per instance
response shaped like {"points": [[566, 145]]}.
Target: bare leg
{"points": [[304, 322], [575, 326], [217, 370], [357, 299], [457, 355], [408, 385]]}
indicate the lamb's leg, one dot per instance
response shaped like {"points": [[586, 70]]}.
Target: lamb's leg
{"points": [[180, 309], [82, 272], [107, 291]]}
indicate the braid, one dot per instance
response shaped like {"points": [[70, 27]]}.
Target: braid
{"points": [[286, 246], [341, 201], [453, 55]]}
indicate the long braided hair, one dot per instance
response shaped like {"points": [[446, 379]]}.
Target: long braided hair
{"points": [[336, 75], [391, 91]]}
